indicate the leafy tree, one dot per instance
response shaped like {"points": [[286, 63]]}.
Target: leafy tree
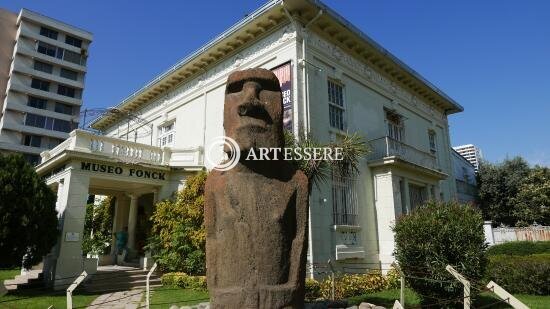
{"points": [[28, 219], [532, 202], [179, 237], [499, 185], [98, 224], [434, 236]]}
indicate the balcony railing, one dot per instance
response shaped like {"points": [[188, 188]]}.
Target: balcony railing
{"points": [[385, 147], [126, 151]]}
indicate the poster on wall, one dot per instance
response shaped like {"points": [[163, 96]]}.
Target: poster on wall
{"points": [[283, 73]]}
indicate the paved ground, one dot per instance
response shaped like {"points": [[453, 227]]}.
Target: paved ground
{"points": [[118, 300]]}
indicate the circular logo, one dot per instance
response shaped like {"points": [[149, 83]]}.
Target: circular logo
{"points": [[229, 159]]}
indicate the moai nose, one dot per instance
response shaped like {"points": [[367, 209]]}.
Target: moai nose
{"points": [[251, 97]]}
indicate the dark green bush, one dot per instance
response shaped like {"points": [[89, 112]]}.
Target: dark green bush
{"points": [[528, 274], [520, 248], [434, 236]]}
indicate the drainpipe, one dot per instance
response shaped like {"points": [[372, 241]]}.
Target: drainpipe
{"points": [[302, 62]]}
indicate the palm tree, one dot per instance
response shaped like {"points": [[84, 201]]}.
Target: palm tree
{"points": [[353, 149]]}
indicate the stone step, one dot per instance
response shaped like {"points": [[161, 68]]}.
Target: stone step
{"points": [[119, 286]]}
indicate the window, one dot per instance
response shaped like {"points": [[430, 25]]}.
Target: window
{"points": [[35, 120], [40, 84], [432, 139], [72, 57], [66, 91], [32, 158], [73, 41], [336, 105], [37, 102], [395, 125], [32, 140], [68, 74], [46, 49], [344, 200], [53, 142], [47, 32], [42, 66], [417, 195], [63, 108], [47, 123], [167, 134], [61, 125]]}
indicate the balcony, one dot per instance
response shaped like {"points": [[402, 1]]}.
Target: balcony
{"points": [[386, 150], [125, 151]]}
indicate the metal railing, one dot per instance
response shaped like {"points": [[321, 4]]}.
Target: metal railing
{"points": [[344, 201], [147, 288], [72, 287], [386, 146]]}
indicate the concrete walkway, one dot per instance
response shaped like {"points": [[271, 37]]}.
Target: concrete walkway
{"points": [[119, 300]]}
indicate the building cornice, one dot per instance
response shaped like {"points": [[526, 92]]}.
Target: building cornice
{"points": [[266, 19]]}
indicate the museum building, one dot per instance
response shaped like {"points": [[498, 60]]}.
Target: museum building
{"points": [[335, 80]]}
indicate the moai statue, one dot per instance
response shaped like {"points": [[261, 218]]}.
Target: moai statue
{"points": [[256, 214]]}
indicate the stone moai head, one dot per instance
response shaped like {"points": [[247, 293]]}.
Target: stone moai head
{"points": [[253, 110]]}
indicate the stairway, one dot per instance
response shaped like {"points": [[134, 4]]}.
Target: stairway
{"points": [[119, 278], [31, 280]]}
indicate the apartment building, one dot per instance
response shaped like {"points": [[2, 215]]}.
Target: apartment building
{"points": [[42, 73], [335, 80], [470, 153]]}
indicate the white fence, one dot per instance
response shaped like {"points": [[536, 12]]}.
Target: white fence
{"points": [[498, 235]]}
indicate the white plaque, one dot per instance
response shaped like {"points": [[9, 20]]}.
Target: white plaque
{"points": [[71, 236]]}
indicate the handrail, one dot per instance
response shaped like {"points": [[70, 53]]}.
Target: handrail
{"points": [[72, 287], [147, 284]]}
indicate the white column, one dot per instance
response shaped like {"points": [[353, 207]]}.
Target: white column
{"points": [[132, 220], [406, 194], [115, 225], [72, 201]]}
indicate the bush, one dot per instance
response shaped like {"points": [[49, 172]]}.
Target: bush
{"points": [[437, 235], [178, 236], [313, 289], [521, 274], [98, 224], [184, 280], [349, 285], [28, 219], [520, 248]]}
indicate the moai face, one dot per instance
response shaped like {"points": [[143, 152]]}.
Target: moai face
{"points": [[253, 110]]}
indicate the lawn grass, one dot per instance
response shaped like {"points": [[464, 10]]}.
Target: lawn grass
{"points": [[44, 299], [6, 274], [39, 298], [166, 296], [387, 298]]}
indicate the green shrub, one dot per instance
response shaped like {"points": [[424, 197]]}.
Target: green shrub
{"points": [[348, 285], [434, 236], [313, 289], [520, 248], [178, 236], [528, 274], [184, 280]]}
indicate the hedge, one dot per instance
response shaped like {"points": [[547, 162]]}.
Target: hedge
{"points": [[184, 280], [520, 248], [528, 274], [348, 285]]}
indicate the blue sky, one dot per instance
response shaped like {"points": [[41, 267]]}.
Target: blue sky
{"points": [[493, 57]]}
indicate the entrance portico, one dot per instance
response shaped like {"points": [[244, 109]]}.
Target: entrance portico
{"points": [[136, 175]]}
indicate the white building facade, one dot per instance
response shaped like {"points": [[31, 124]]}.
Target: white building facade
{"points": [[465, 178], [339, 81], [45, 71]]}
